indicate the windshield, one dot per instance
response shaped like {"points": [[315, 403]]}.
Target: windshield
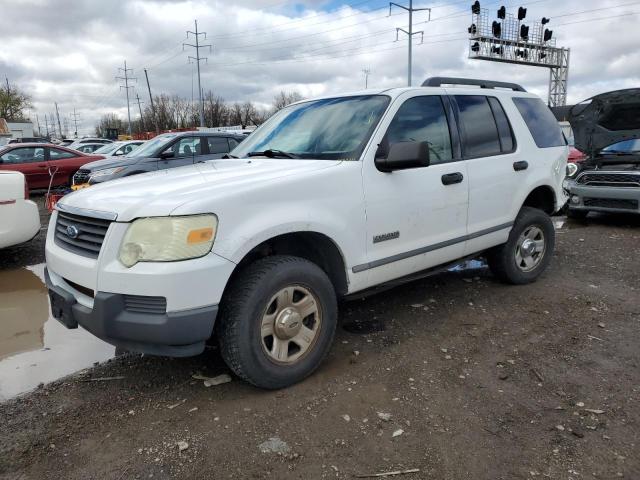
{"points": [[626, 146], [108, 148], [151, 147], [332, 129]]}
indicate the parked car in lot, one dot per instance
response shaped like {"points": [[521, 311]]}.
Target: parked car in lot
{"points": [[329, 198], [19, 218], [607, 129], [28, 140], [118, 149], [165, 151], [89, 147], [88, 140], [40, 161]]}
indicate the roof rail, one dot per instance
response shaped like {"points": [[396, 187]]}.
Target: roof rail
{"points": [[439, 81]]}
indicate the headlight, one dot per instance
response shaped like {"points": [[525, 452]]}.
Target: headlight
{"points": [[572, 169], [168, 239], [105, 172]]}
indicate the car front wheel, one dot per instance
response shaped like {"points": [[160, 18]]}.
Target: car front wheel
{"points": [[277, 321]]}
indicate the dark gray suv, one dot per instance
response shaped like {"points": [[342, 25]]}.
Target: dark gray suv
{"points": [[168, 150]]}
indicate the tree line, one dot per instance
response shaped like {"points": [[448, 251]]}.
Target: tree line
{"points": [[173, 112]]}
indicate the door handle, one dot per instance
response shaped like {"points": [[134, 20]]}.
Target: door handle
{"points": [[451, 178], [522, 165]]}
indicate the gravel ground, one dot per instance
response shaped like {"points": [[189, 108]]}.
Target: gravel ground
{"points": [[456, 375]]}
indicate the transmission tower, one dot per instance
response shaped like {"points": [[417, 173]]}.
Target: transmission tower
{"points": [[507, 39], [410, 33], [138, 101], [366, 72], [58, 117], [198, 59], [74, 117], [126, 78]]}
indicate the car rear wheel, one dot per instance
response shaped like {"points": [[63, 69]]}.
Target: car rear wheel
{"points": [[277, 321], [528, 250]]}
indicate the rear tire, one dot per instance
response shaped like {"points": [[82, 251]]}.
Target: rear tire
{"points": [[277, 321], [528, 250]]}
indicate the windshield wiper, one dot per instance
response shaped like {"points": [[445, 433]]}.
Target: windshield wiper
{"points": [[271, 153], [228, 155]]}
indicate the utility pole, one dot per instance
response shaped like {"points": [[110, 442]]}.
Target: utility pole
{"points": [[367, 72], [46, 125], [126, 86], [38, 123], [140, 110], [409, 33], [153, 108], [197, 58], [58, 116], [75, 122]]}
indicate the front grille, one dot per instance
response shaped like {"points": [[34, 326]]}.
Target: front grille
{"points": [[598, 179], [144, 304], [81, 176], [620, 203], [80, 235]]}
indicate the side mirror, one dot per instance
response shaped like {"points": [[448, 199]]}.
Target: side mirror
{"points": [[404, 155], [167, 154]]}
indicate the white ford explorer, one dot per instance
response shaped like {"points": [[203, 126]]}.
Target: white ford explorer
{"points": [[329, 197]]}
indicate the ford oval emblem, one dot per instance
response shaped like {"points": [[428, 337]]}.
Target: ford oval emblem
{"points": [[72, 231]]}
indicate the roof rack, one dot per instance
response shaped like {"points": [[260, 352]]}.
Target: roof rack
{"points": [[439, 81]]}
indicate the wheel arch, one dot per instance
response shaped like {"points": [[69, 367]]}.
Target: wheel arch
{"points": [[542, 197], [310, 245]]}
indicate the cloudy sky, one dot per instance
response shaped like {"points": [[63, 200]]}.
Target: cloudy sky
{"points": [[69, 51]]}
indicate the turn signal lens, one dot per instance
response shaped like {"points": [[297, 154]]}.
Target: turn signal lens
{"points": [[200, 235]]}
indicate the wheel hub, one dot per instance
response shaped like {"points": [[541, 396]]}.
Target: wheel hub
{"points": [[528, 247], [288, 323]]}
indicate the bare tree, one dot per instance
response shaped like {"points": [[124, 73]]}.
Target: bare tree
{"points": [[283, 99]]}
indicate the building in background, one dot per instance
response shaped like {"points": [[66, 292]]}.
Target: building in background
{"points": [[20, 129], [5, 133]]}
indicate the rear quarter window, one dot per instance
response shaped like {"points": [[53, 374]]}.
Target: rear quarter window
{"points": [[541, 123]]}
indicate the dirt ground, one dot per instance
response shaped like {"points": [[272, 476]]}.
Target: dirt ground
{"points": [[456, 375]]}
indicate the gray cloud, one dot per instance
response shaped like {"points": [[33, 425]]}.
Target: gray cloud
{"points": [[69, 50]]}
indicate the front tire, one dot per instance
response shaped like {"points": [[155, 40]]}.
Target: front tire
{"points": [[277, 321], [528, 250]]}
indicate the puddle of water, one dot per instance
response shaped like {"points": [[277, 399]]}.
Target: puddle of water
{"points": [[34, 347], [469, 265]]}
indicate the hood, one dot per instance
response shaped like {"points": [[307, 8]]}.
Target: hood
{"points": [[606, 119], [161, 192], [108, 162]]}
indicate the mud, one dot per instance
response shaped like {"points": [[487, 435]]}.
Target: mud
{"points": [[486, 382]]}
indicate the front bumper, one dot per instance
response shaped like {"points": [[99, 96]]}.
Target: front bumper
{"points": [[175, 334], [603, 199]]}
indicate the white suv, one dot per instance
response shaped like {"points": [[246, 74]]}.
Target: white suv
{"points": [[329, 197]]}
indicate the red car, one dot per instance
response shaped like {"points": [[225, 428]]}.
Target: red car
{"points": [[39, 162], [575, 155]]}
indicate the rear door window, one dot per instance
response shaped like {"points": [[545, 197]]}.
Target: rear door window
{"points": [[541, 122], [218, 145], [480, 131], [56, 154], [505, 132], [187, 147]]}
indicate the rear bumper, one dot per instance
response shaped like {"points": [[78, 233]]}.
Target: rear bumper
{"points": [[175, 334], [604, 199]]}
